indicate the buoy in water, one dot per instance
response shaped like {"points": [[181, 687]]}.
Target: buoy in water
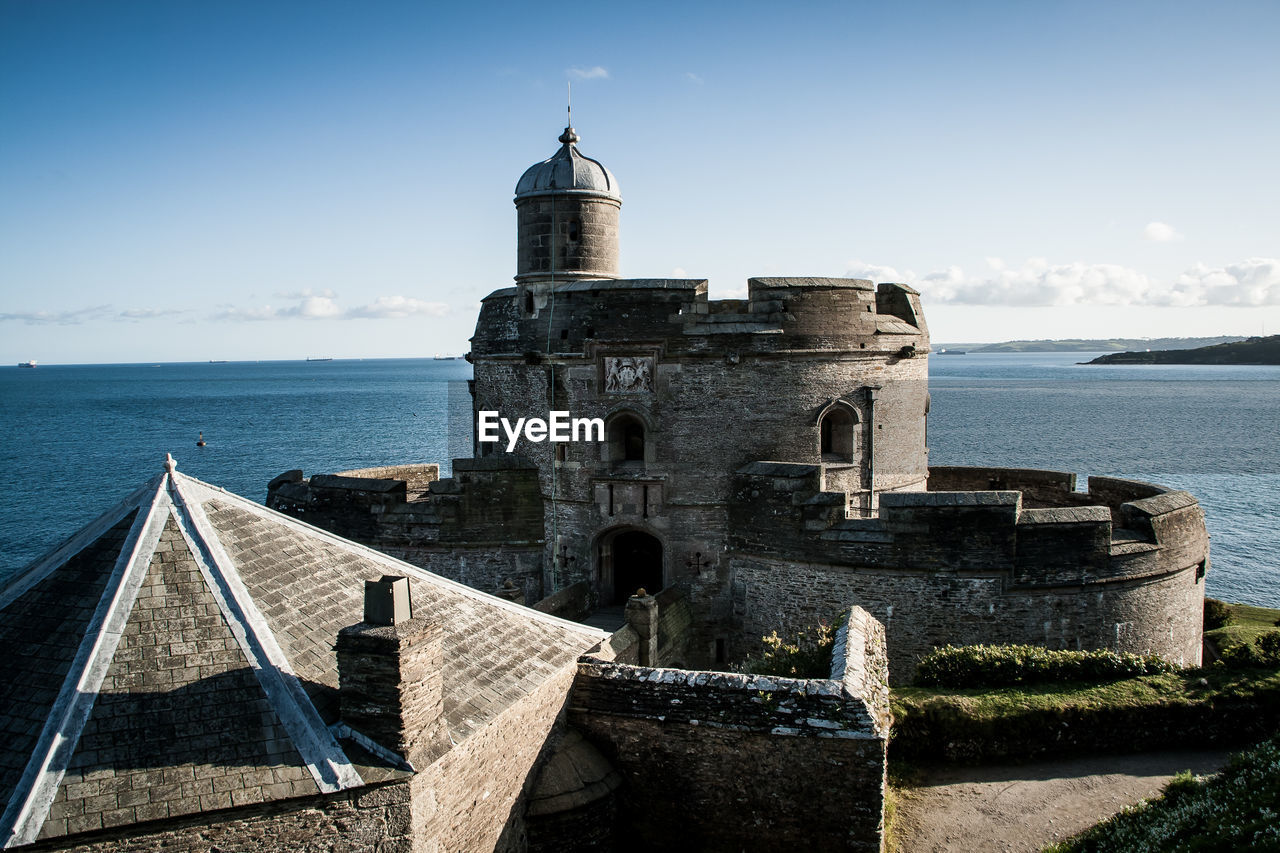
{"points": [[200, 440]]}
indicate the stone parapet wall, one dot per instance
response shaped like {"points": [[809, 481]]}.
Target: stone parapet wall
{"points": [[743, 761], [973, 567], [473, 799], [481, 527]]}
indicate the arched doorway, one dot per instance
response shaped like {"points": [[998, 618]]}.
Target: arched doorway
{"points": [[628, 560]]}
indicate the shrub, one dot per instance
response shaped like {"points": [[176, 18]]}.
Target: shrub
{"points": [[1263, 651], [806, 654], [1217, 614], [1002, 666], [1235, 810]]}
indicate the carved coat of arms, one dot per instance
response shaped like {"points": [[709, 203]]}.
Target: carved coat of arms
{"points": [[628, 374]]}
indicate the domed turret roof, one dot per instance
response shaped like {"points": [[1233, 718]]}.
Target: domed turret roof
{"points": [[568, 171]]}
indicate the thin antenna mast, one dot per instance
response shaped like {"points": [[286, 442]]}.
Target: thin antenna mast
{"points": [[569, 100]]}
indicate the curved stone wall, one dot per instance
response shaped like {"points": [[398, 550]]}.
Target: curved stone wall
{"points": [[1120, 567]]}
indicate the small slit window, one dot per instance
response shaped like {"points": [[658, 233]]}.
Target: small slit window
{"points": [[575, 230]]}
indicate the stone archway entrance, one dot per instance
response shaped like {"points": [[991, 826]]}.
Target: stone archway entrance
{"points": [[627, 561]]}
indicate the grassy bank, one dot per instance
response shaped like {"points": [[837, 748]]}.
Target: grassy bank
{"points": [[1216, 705], [1237, 809]]}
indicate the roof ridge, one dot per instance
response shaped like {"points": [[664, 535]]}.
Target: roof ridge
{"points": [[32, 797], [392, 562], [327, 762], [40, 568]]}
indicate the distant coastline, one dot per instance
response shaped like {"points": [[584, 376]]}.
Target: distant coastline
{"points": [[1251, 351], [1093, 344]]}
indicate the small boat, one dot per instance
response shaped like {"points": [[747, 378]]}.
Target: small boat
{"points": [[320, 359], [945, 351], [217, 361], [27, 363], [200, 440]]}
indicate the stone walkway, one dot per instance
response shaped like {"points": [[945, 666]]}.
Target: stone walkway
{"points": [[1025, 807]]}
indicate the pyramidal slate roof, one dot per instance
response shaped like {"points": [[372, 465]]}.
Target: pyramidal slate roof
{"points": [[176, 656]]}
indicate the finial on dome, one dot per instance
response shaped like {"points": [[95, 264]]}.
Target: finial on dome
{"points": [[569, 136], [170, 464]]}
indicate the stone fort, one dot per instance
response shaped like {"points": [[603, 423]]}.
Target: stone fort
{"points": [[765, 464], [536, 653]]}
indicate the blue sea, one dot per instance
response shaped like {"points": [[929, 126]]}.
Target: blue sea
{"points": [[74, 439]]}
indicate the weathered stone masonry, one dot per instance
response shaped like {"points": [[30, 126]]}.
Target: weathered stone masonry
{"points": [[1119, 567]]}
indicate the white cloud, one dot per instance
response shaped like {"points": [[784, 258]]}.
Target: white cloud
{"points": [[60, 318], [1253, 282], [316, 307], [679, 272], [397, 307], [136, 314], [595, 72], [1161, 232], [693, 78], [303, 294]]}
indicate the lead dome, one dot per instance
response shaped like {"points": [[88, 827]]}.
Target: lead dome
{"points": [[568, 171]]}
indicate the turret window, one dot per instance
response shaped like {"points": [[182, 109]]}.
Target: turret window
{"points": [[575, 230]]}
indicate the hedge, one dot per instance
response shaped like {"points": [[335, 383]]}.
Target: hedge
{"points": [[1005, 666]]}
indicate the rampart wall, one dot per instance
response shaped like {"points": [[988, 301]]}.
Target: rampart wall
{"points": [[481, 527], [741, 762], [1120, 567]]}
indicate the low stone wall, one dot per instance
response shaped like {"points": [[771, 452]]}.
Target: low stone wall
{"points": [[726, 762], [473, 799], [481, 527], [956, 567], [573, 602]]}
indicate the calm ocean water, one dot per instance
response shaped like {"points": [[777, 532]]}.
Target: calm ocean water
{"points": [[74, 439]]}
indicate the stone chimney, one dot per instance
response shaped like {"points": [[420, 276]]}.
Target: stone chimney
{"points": [[390, 675]]}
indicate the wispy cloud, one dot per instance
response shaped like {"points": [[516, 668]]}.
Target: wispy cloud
{"points": [[1252, 283], [595, 72], [324, 306], [59, 318], [693, 78], [398, 307], [137, 314], [1161, 232]]}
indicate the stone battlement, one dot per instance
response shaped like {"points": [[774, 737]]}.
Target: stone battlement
{"points": [[483, 526], [1118, 567], [1120, 529], [779, 314]]}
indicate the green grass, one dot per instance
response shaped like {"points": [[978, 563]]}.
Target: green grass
{"points": [[1238, 809], [1214, 704], [1247, 623]]}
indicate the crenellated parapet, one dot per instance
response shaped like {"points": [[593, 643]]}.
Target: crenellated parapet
{"points": [[779, 314], [483, 526], [1088, 538], [1120, 566]]}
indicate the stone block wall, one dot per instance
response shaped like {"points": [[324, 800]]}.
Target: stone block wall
{"points": [[974, 567], [727, 762], [473, 799], [481, 527]]}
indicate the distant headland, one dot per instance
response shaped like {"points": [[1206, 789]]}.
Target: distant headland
{"points": [[1096, 344], [1250, 351]]}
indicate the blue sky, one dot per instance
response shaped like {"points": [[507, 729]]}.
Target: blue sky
{"points": [[185, 181]]}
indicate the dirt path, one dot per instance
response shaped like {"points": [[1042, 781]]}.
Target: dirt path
{"points": [[1024, 807]]}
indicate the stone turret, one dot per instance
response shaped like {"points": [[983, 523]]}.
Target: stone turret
{"points": [[567, 220]]}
